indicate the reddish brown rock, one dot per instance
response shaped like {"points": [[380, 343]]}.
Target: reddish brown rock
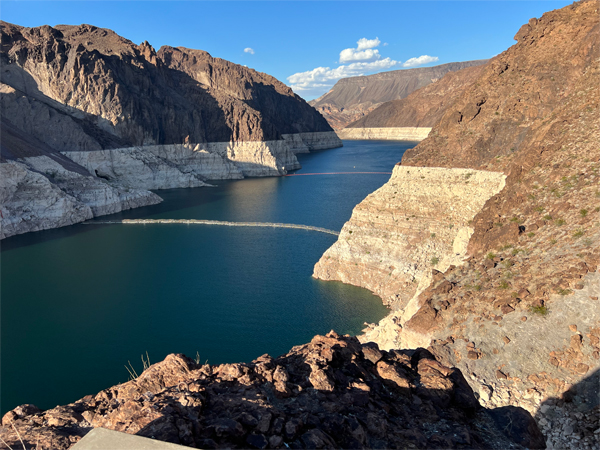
{"points": [[390, 404]]}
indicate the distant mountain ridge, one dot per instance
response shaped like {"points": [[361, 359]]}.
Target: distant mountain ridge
{"points": [[352, 98], [422, 108]]}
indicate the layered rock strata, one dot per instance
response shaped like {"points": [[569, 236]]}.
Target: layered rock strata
{"points": [[520, 317], [354, 97], [421, 218], [387, 133], [330, 393], [133, 119], [38, 193]]}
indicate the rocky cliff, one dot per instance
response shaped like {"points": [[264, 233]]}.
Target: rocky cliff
{"points": [[352, 98], [421, 218], [330, 393], [134, 119], [520, 315]]}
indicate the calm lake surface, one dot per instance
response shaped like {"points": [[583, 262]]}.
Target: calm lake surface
{"points": [[79, 302]]}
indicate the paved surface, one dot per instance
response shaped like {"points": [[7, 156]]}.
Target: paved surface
{"points": [[103, 439]]}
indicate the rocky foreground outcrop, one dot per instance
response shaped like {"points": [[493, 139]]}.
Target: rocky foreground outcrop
{"points": [[520, 315], [354, 97], [330, 393], [124, 119]]}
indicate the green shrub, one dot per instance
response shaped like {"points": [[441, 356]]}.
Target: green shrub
{"points": [[490, 255], [560, 222], [583, 212], [435, 260], [540, 310]]}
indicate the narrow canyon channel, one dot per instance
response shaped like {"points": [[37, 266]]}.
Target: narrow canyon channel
{"points": [[79, 302]]}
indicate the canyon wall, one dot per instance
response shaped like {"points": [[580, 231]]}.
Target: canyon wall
{"points": [[520, 316], [389, 133], [419, 220], [125, 119]]}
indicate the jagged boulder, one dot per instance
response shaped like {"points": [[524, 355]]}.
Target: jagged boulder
{"points": [[330, 393]]}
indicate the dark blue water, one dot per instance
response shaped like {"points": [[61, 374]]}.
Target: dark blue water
{"points": [[79, 302]]}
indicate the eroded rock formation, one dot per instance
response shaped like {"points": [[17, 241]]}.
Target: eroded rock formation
{"points": [[330, 393], [520, 316], [134, 119], [421, 218]]}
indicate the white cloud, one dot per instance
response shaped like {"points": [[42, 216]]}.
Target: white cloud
{"points": [[322, 78], [249, 50], [423, 59], [363, 51], [365, 43], [351, 54]]}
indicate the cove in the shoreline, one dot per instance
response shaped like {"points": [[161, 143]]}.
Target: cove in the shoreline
{"points": [[79, 302]]}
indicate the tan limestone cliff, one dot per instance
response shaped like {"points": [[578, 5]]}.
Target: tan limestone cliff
{"points": [[418, 220]]}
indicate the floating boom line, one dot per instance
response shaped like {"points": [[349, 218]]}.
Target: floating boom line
{"points": [[214, 222]]}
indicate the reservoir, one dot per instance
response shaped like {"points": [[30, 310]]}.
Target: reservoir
{"points": [[80, 302]]}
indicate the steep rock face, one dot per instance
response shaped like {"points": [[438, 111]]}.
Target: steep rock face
{"points": [[145, 97], [137, 119], [514, 103], [422, 108], [38, 193], [34, 202], [352, 98], [42, 189], [330, 393], [418, 220], [520, 316]]}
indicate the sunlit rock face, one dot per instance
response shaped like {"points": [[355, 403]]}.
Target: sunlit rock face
{"points": [[125, 119], [419, 220]]}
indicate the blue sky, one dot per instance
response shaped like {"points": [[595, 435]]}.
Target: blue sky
{"points": [[301, 43]]}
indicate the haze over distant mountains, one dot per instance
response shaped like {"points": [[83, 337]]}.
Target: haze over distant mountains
{"points": [[352, 98]]}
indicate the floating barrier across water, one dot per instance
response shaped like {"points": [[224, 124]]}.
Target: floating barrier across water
{"points": [[337, 173], [215, 222]]}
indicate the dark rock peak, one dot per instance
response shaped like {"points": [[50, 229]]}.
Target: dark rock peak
{"points": [[142, 96]]}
